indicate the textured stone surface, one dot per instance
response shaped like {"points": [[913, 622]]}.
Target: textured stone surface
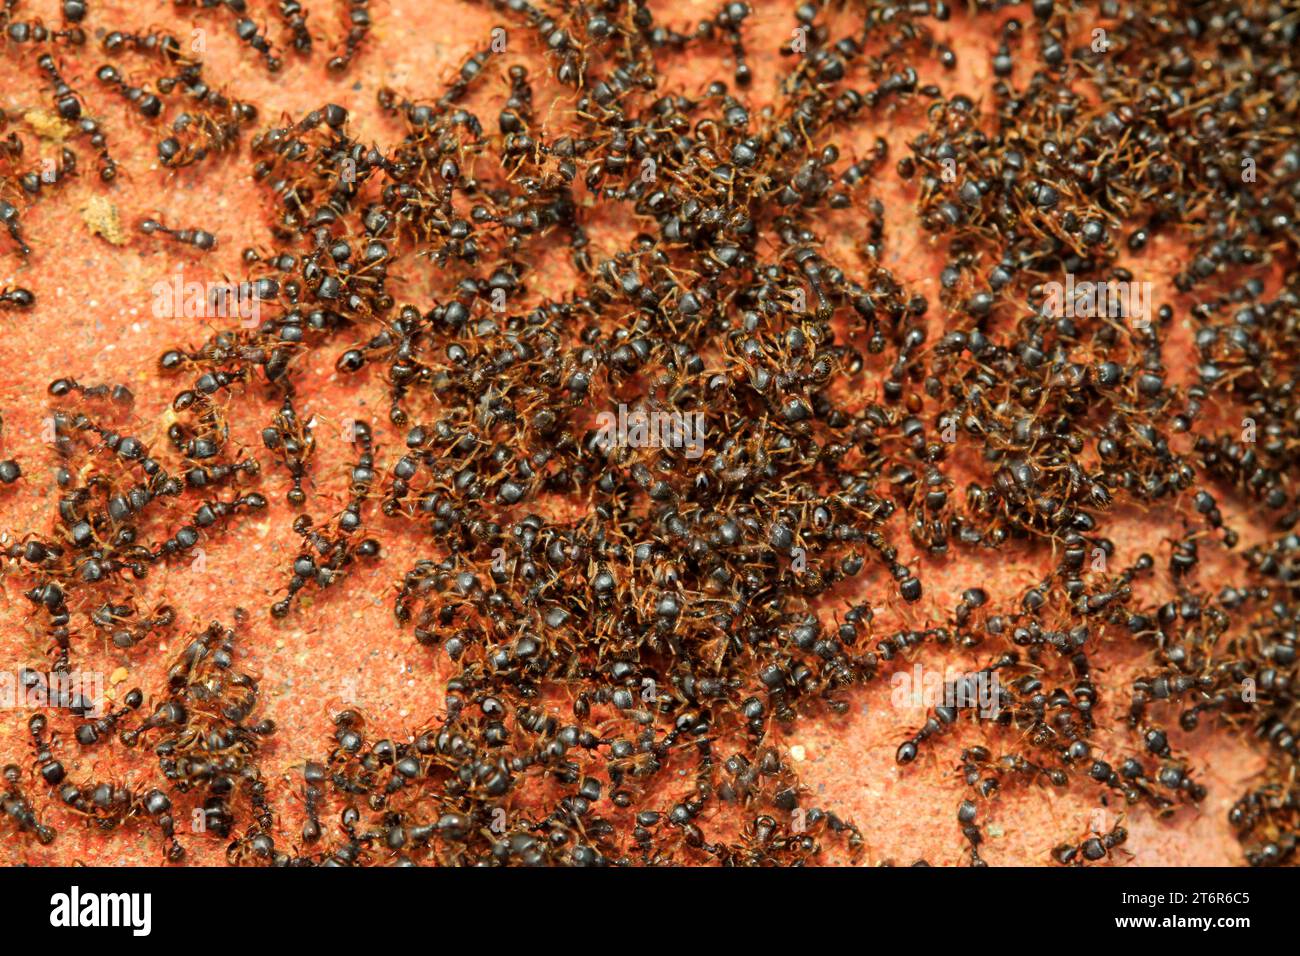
{"points": [[94, 322]]}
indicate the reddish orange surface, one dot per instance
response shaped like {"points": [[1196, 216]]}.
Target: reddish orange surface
{"points": [[93, 321]]}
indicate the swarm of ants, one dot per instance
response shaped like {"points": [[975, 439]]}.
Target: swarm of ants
{"points": [[619, 674]]}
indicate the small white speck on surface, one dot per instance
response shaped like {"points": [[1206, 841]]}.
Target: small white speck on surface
{"points": [[799, 753]]}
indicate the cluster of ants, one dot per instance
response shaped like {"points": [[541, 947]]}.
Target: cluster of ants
{"points": [[619, 674]]}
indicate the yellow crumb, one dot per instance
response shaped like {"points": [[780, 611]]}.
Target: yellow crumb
{"points": [[48, 126], [102, 219]]}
